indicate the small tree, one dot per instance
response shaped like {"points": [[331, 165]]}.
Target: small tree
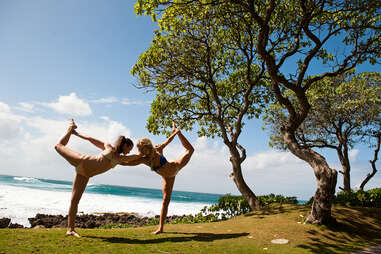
{"points": [[344, 111], [204, 71]]}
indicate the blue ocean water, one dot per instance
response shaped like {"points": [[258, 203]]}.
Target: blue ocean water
{"points": [[57, 185]]}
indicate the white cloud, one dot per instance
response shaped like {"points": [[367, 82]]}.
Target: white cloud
{"points": [[353, 155], [26, 107], [9, 123], [71, 105], [270, 159], [4, 108], [127, 101], [115, 129], [106, 100], [32, 151], [9, 129], [124, 101]]}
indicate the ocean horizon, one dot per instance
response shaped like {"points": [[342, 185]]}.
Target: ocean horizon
{"points": [[22, 197]]}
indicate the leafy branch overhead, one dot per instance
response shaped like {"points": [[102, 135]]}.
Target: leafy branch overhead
{"points": [[204, 72]]}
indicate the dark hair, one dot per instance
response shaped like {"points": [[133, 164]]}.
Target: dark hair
{"points": [[121, 141]]}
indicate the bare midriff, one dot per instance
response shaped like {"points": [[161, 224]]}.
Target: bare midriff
{"points": [[95, 165]]}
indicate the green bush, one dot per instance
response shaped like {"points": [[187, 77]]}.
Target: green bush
{"points": [[198, 218], [375, 197], [154, 221], [229, 206], [369, 198], [272, 198]]}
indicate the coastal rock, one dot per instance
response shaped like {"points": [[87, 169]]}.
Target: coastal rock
{"points": [[94, 221], [15, 225], [4, 222], [47, 221]]}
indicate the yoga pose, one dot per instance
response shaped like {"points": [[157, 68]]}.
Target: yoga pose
{"points": [[87, 166], [153, 157]]}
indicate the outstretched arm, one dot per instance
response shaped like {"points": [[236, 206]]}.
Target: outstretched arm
{"points": [[100, 144], [125, 159], [169, 140], [140, 160]]}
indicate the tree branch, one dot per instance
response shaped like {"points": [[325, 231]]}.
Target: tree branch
{"points": [[373, 163]]}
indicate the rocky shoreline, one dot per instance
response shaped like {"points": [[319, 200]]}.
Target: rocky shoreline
{"points": [[86, 220]]}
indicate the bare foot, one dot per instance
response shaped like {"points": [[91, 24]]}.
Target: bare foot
{"points": [[72, 125], [73, 233], [159, 231]]}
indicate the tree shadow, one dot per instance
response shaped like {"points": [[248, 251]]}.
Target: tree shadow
{"points": [[353, 228], [276, 209], [200, 237]]}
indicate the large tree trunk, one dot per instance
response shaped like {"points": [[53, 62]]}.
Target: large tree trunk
{"points": [[346, 166], [326, 179], [246, 192]]}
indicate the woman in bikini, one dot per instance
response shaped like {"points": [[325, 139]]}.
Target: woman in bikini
{"points": [[87, 166], [153, 157]]}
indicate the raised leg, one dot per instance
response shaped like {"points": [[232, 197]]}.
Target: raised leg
{"points": [[65, 138], [79, 186], [184, 159], [73, 157], [167, 192]]}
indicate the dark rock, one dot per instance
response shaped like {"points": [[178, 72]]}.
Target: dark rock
{"points": [[4, 222], [47, 221], [15, 225], [94, 221]]}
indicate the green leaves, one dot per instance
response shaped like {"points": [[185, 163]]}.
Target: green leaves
{"points": [[203, 68], [344, 110]]}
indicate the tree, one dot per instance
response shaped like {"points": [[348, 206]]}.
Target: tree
{"points": [[204, 71], [344, 111], [299, 33]]}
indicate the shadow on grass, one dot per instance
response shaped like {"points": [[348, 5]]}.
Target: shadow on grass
{"points": [[355, 227], [200, 237], [276, 209]]}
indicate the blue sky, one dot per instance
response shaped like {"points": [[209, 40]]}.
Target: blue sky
{"points": [[61, 59]]}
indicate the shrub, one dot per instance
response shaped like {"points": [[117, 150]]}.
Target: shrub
{"points": [[153, 221], [369, 198], [375, 197], [229, 206], [272, 198]]}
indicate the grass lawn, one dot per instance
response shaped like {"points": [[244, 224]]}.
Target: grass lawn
{"points": [[251, 233]]}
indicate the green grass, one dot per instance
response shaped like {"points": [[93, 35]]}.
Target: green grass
{"points": [[251, 233]]}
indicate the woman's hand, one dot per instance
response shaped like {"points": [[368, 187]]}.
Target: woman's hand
{"points": [[174, 128]]}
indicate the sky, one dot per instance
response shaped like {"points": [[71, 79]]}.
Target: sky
{"points": [[62, 59]]}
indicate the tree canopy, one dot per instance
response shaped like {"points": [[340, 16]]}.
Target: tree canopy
{"points": [[345, 111], [206, 74]]}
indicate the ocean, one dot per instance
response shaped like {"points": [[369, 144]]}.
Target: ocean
{"points": [[23, 197]]}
